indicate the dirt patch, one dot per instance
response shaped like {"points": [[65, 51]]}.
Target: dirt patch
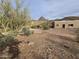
{"points": [[49, 45]]}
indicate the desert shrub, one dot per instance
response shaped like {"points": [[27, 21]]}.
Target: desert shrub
{"points": [[34, 26], [45, 26], [11, 19], [26, 31], [13, 33], [12, 43]]}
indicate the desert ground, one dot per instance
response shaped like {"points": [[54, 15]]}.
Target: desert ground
{"points": [[49, 44]]}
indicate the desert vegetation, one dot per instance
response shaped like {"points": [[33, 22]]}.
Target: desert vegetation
{"points": [[9, 47], [18, 41], [13, 21], [45, 26]]}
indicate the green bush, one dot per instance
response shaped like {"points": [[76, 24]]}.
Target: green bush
{"points": [[34, 26], [6, 40], [45, 26], [26, 31], [12, 43]]}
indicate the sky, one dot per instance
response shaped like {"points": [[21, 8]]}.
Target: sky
{"points": [[52, 9]]}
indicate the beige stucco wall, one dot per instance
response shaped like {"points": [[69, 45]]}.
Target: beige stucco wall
{"points": [[60, 23]]}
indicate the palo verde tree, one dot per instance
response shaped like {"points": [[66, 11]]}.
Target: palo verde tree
{"points": [[13, 18]]}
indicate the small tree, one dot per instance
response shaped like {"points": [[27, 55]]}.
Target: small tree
{"points": [[45, 25], [26, 31], [13, 18]]}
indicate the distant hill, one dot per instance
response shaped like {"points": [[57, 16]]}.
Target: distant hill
{"points": [[69, 18], [42, 18]]}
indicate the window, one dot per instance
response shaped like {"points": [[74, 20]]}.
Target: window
{"points": [[70, 25]]}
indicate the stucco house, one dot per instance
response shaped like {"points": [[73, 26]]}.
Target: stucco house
{"points": [[66, 24]]}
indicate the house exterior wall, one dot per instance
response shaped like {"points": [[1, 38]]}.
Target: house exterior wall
{"points": [[67, 24]]}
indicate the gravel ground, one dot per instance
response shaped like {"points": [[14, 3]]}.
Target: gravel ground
{"points": [[49, 44]]}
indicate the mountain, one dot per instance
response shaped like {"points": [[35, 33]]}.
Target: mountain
{"points": [[42, 19], [69, 18]]}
